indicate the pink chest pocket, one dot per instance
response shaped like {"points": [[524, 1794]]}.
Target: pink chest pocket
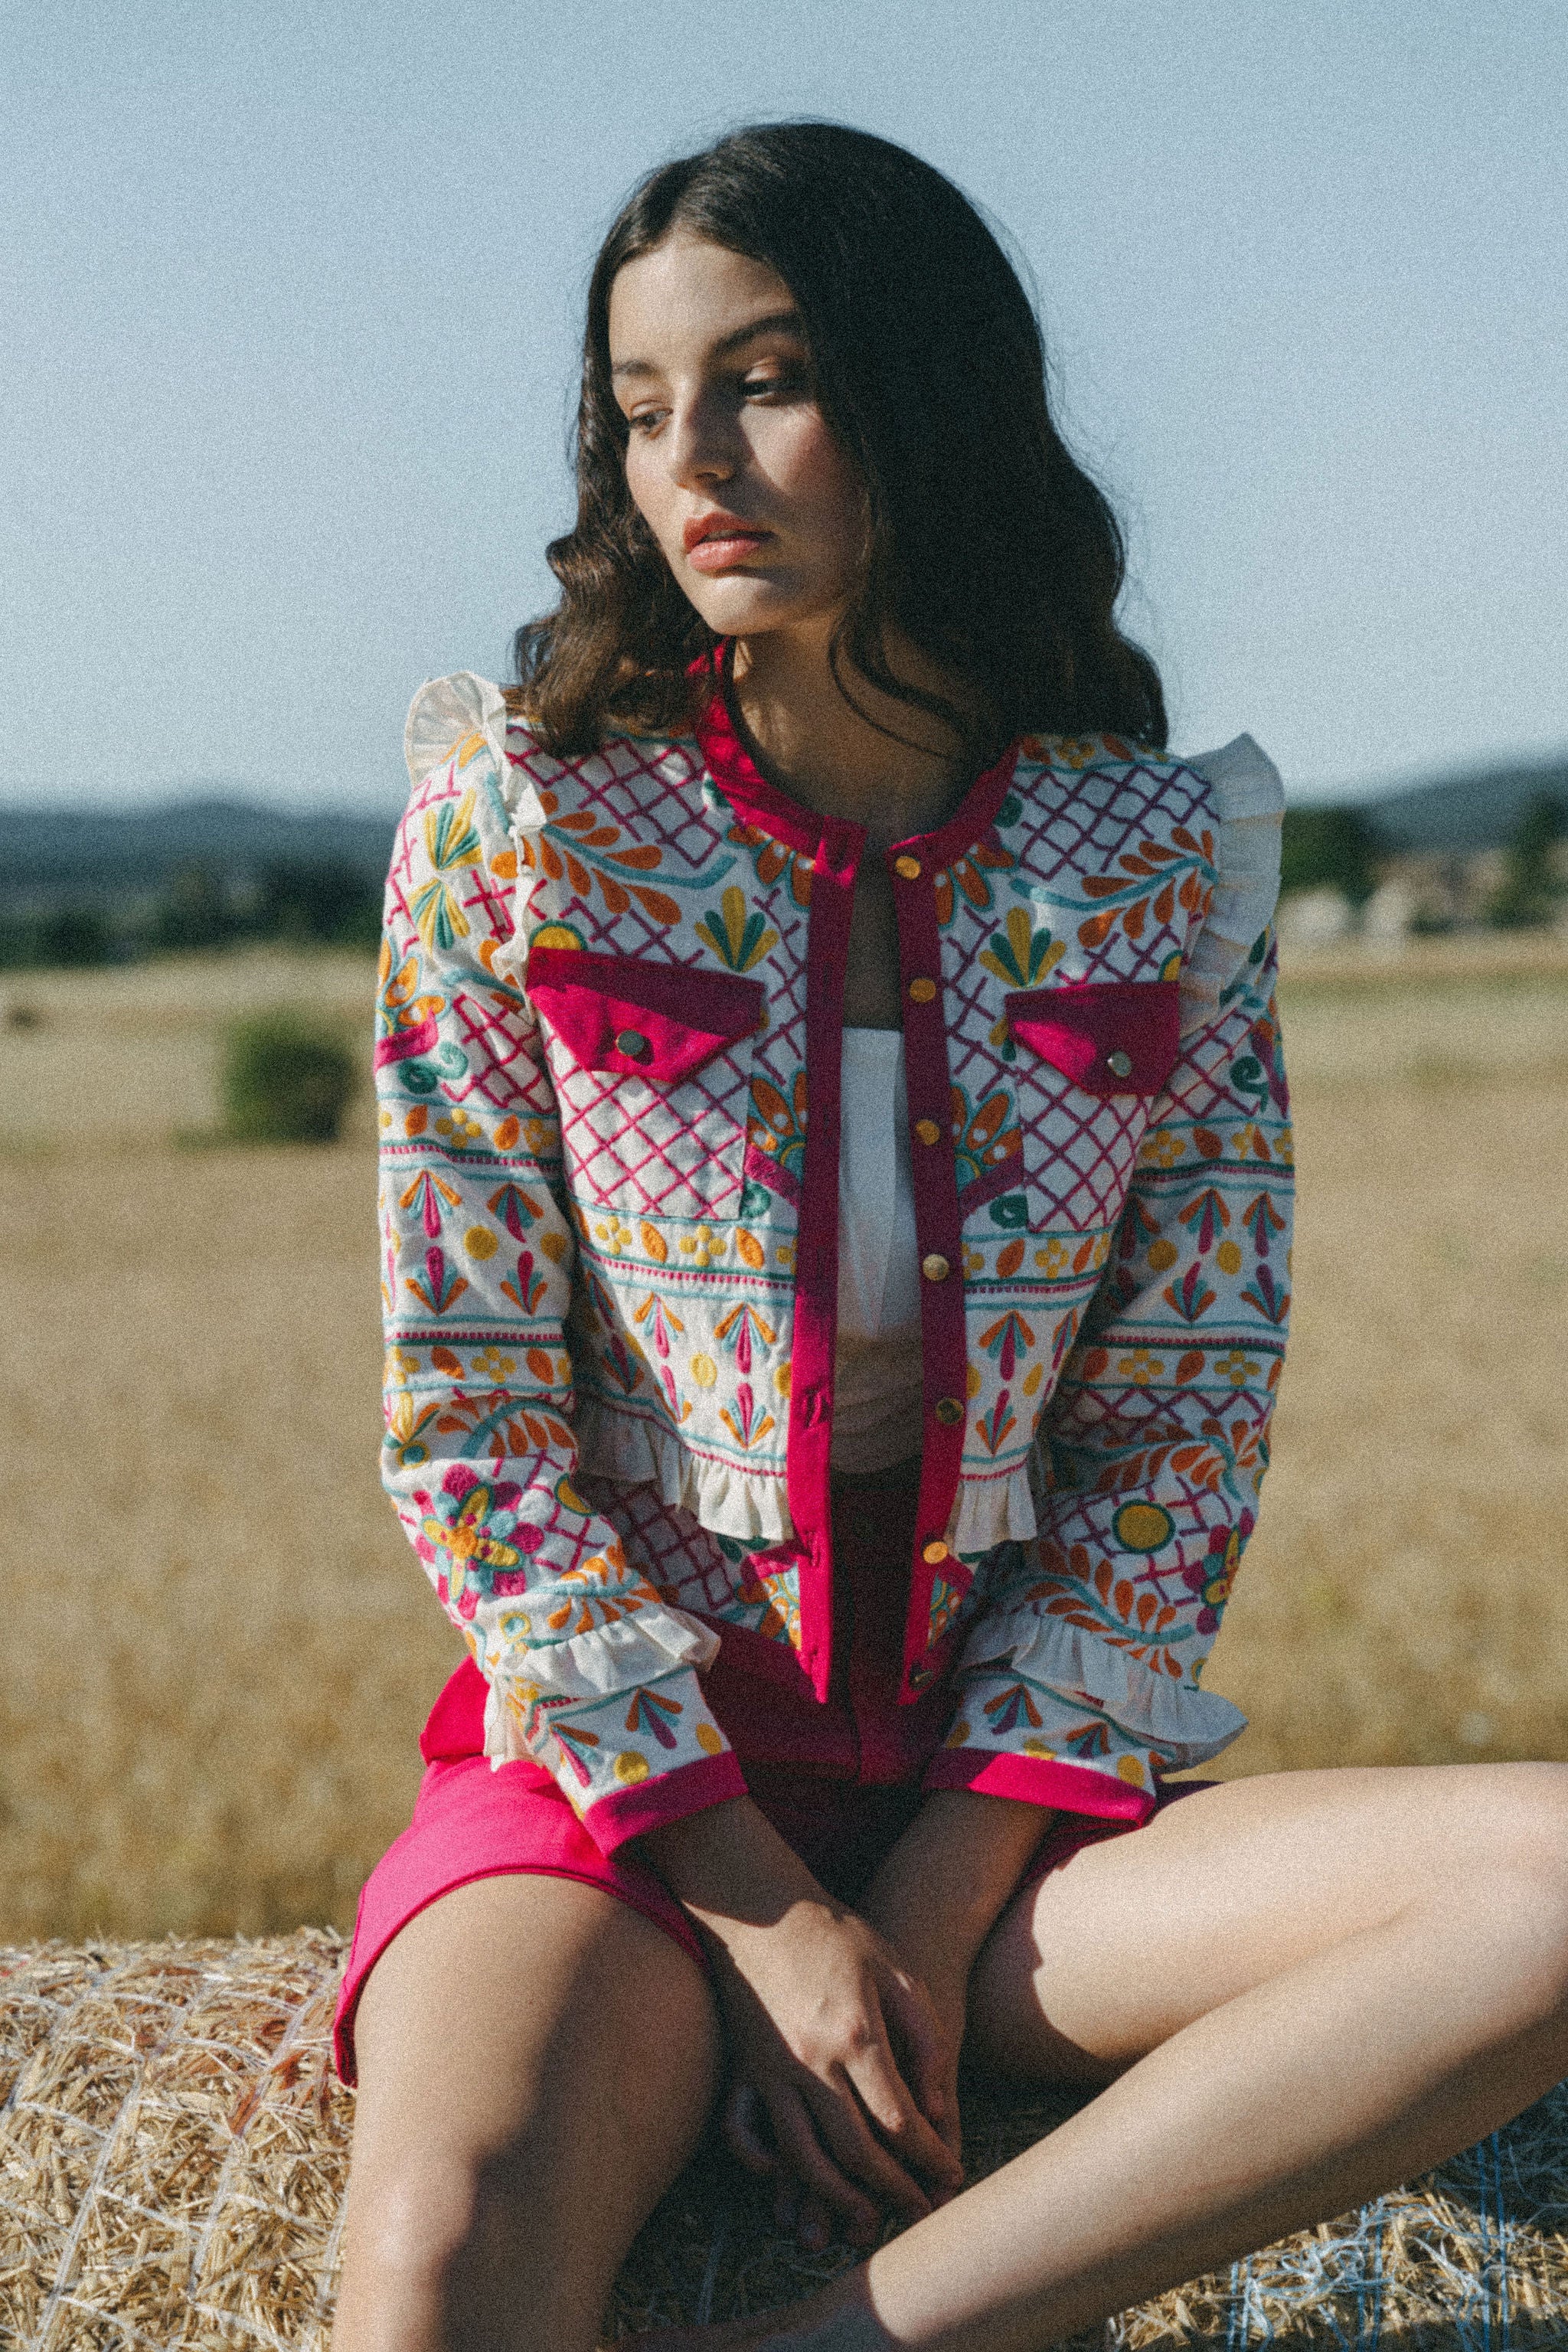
{"points": [[1093, 1057], [652, 1068]]}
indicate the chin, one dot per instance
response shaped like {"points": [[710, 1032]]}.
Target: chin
{"points": [[740, 604]]}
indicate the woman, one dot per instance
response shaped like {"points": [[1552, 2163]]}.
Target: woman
{"points": [[833, 1258]]}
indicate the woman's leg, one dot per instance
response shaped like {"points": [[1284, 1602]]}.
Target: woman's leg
{"points": [[536, 2060], [1299, 1991]]}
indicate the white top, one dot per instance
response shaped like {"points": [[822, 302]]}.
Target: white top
{"points": [[877, 1380]]}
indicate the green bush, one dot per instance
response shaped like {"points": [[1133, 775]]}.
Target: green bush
{"points": [[286, 1080], [1532, 888], [1337, 847]]}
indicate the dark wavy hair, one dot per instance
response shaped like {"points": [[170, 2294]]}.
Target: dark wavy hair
{"points": [[985, 543]]}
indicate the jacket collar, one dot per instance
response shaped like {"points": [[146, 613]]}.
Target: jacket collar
{"points": [[803, 829]]}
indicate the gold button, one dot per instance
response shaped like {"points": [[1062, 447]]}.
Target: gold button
{"points": [[935, 1267], [948, 1410], [632, 1043], [908, 869], [1118, 1063], [922, 991], [935, 1553], [928, 1130]]}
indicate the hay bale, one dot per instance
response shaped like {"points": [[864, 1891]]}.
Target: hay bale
{"points": [[174, 2147]]}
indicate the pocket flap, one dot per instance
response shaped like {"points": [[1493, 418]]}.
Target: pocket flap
{"points": [[1109, 1036], [662, 1022]]}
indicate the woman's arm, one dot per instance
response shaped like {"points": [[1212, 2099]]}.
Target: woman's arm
{"points": [[827, 2027], [589, 1671]]}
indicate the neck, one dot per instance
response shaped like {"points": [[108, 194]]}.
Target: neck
{"points": [[820, 749]]}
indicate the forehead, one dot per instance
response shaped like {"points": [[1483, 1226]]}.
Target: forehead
{"points": [[687, 297]]}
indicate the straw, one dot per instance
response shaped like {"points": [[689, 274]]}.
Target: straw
{"points": [[173, 2148]]}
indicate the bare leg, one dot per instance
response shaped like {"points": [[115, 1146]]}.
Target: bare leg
{"points": [[536, 2060], [1306, 1989]]}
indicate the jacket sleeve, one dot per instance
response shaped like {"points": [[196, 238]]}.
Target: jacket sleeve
{"points": [[1080, 1681], [589, 1671]]}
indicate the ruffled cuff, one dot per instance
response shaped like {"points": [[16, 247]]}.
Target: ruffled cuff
{"points": [[1039, 1691], [1250, 804]]}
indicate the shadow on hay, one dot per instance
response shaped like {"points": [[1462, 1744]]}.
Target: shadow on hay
{"points": [[1472, 2257]]}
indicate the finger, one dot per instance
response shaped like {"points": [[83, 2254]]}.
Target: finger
{"points": [[853, 2146], [742, 2126], [888, 2101], [912, 2020], [804, 2152]]}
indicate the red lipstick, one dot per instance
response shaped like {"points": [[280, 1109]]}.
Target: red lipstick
{"points": [[719, 541]]}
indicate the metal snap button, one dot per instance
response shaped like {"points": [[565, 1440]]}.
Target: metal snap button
{"points": [[922, 991], [934, 1553], [935, 1267], [632, 1043], [908, 869], [1118, 1063], [928, 1130], [948, 1410]]}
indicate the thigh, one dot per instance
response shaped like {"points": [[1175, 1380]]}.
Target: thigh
{"points": [[536, 2061], [1134, 1937]]}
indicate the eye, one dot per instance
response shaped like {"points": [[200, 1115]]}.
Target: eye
{"points": [[646, 420], [778, 380]]}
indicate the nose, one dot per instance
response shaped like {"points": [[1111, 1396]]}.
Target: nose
{"points": [[699, 446]]}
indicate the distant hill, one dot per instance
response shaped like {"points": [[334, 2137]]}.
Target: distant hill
{"points": [[1460, 814], [102, 853]]}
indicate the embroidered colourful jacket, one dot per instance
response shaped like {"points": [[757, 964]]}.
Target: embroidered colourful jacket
{"points": [[608, 1059]]}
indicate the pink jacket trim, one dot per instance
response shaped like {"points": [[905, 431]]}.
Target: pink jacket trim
{"points": [[1065, 1787], [836, 850], [666, 1797]]}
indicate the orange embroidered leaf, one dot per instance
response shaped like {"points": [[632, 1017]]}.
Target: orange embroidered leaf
{"points": [[1208, 1142], [540, 1365], [578, 876], [1102, 1580], [617, 899], [1133, 865], [1100, 885], [1166, 904], [1010, 1259], [643, 859], [1191, 1365], [1132, 921], [1124, 1598], [654, 903]]}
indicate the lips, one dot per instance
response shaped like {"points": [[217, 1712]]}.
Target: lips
{"points": [[715, 542]]}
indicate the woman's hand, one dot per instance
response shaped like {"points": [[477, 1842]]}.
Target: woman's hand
{"points": [[937, 1897], [827, 2031]]}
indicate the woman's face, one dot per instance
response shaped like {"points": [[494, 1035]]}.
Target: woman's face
{"points": [[757, 509]]}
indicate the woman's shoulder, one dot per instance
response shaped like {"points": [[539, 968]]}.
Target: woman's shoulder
{"points": [[458, 716]]}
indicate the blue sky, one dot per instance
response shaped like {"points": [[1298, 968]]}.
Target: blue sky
{"points": [[294, 291]]}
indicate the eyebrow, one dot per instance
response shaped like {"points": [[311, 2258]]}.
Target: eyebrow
{"points": [[775, 322]]}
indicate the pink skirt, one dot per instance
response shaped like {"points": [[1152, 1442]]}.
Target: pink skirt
{"points": [[841, 1782]]}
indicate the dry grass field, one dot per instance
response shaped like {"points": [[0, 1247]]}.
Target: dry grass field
{"points": [[218, 1650]]}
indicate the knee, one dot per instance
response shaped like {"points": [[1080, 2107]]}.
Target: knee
{"points": [[1519, 1869], [407, 2228]]}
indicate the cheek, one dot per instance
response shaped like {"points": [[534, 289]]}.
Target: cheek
{"points": [[650, 488]]}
